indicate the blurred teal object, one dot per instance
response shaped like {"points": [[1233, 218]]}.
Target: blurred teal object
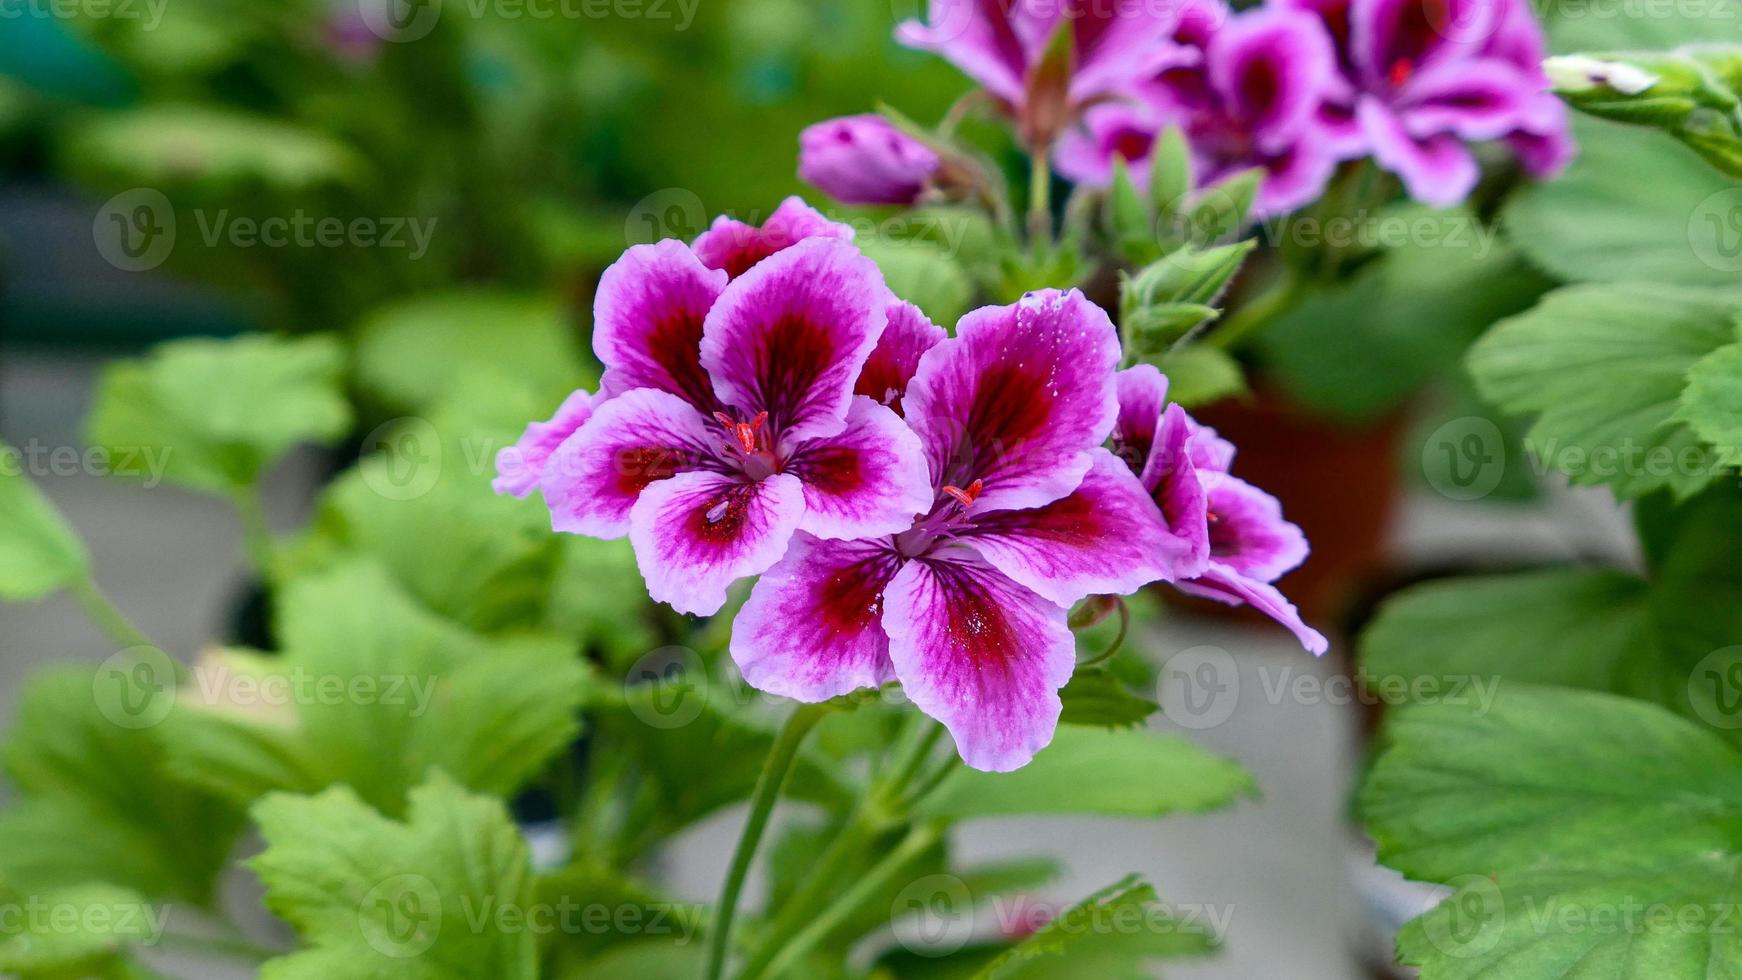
{"points": [[43, 54]]}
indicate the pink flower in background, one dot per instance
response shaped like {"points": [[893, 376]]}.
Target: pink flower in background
{"points": [[1233, 533], [1247, 94], [734, 246], [1420, 79], [865, 160], [729, 421], [1001, 43], [1543, 139], [1029, 514]]}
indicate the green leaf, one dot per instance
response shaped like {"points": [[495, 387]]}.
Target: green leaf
{"points": [[174, 145], [1664, 213], [1711, 404], [1604, 366], [372, 690], [77, 931], [95, 801], [433, 897], [39, 553], [1560, 803], [925, 274], [1096, 698], [1362, 347], [1170, 175], [414, 352], [1095, 937], [1198, 374], [1159, 774], [215, 414], [597, 594], [1220, 211], [1127, 216]]}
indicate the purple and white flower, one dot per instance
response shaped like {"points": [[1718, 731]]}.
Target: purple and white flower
{"points": [[1001, 43], [1029, 513], [729, 422], [735, 246], [1234, 531], [865, 160]]}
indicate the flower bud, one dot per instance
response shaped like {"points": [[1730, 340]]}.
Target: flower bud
{"points": [[865, 160]]}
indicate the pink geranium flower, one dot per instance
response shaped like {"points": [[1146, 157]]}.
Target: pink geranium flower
{"points": [[1028, 514], [1234, 533], [734, 246], [730, 421], [865, 160]]}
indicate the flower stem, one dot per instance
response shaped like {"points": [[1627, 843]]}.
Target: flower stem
{"points": [[774, 770], [869, 885], [108, 617], [1039, 199]]}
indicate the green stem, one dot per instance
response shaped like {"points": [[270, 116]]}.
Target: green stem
{"points": [[868, 887], [1039, 199], [257, 539], [108, 617], [774, 770], [1283, 294]]}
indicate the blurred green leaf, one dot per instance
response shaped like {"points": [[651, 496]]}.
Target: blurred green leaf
{"points": [[1098, 698], [1665, 213], [925, 274], [216, 414], [412, 353], [1198, 374], [170, 145], [1711, 404], [1689, 93], [38, 940], [1603, 368], [1095, 937], [373, 898], [39, 553], [1160, 774]]}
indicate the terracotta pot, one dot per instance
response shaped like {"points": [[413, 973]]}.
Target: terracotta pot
{"points": [[1339, 482]]}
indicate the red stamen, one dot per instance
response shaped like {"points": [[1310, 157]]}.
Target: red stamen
{"points": [[968, 496], [745, 432], [1401, 69]]}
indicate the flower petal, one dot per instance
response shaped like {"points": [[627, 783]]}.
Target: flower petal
{"points": [[697, 533], [1117, 44], [1247, 530], [813, 628], [789, 337], [889, 369], [977, 37], [519, 466], [864, 159], [1142, 393], [1437, 170], [593, 479], [1476, 98], [870, 479], [734, 246], [1105, 538], [1272, 68], [981, 654], [1392, 38], [647, 322], [1018, 399], [1172, 477], [1225, 585], [1297, 175]]}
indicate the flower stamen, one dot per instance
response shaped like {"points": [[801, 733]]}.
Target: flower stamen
{"points": [[746, 433], [968, 496]]}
